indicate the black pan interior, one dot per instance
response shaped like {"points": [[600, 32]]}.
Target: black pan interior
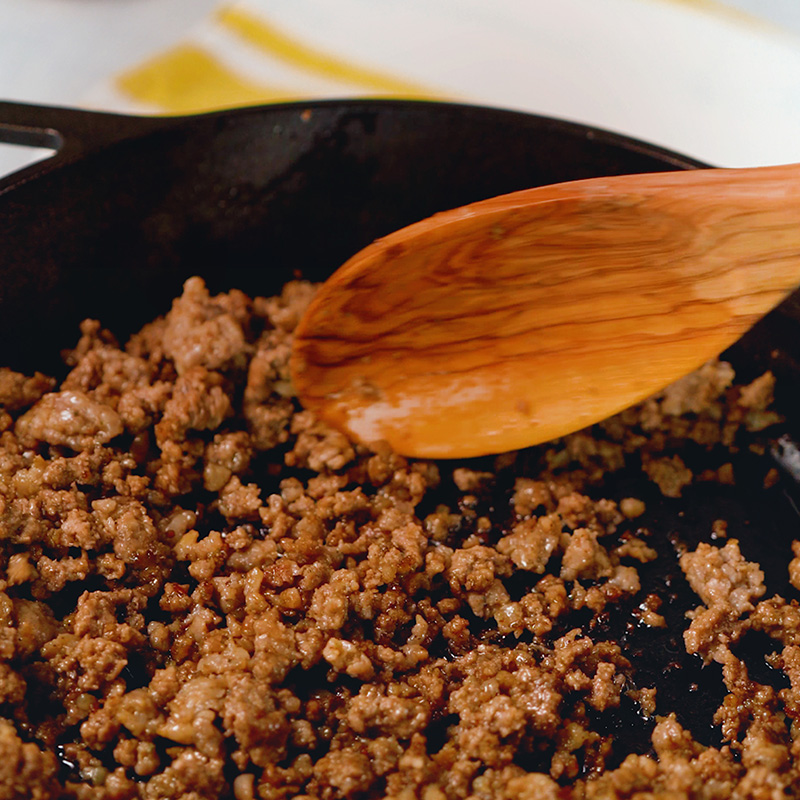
{"points": [[248, 199]]}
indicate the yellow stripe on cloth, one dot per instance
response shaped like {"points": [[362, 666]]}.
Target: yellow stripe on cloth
{"points": [[265, 36], [188, 79]]}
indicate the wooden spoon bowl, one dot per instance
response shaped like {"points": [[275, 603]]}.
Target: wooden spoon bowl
{"points": [[511, 321]]}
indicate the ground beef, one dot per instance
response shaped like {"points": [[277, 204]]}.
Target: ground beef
{"points": [[69, 418], [728, 586], [205, 592]]}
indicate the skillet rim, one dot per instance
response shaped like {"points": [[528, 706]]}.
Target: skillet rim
{"points": [[75, 133]]}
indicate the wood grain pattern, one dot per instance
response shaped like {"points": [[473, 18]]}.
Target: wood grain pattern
{"points": [[512, 321]]}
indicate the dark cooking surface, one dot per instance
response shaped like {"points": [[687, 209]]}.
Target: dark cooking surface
{"points": [[765, 521], [246, 199]]}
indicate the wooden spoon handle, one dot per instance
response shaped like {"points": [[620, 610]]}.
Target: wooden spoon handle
{"points": [[521, 318]]}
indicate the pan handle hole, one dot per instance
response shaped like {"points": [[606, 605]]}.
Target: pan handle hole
{"points": [[14, 157], [21, 146]]}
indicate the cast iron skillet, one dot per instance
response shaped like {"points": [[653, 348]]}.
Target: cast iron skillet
{"points": [[130, 207]]}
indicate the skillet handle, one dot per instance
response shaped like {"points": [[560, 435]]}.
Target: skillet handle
{"points": [[70, 132]]}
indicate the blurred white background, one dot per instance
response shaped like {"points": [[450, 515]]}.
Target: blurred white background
{"points": [[781, 12], [720, 86], [52, 51]]}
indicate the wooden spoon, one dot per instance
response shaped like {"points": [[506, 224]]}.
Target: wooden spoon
{"points": [[518, 319]]}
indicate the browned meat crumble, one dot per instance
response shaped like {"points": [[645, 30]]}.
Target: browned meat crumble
{"points": [[207, 593]]}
